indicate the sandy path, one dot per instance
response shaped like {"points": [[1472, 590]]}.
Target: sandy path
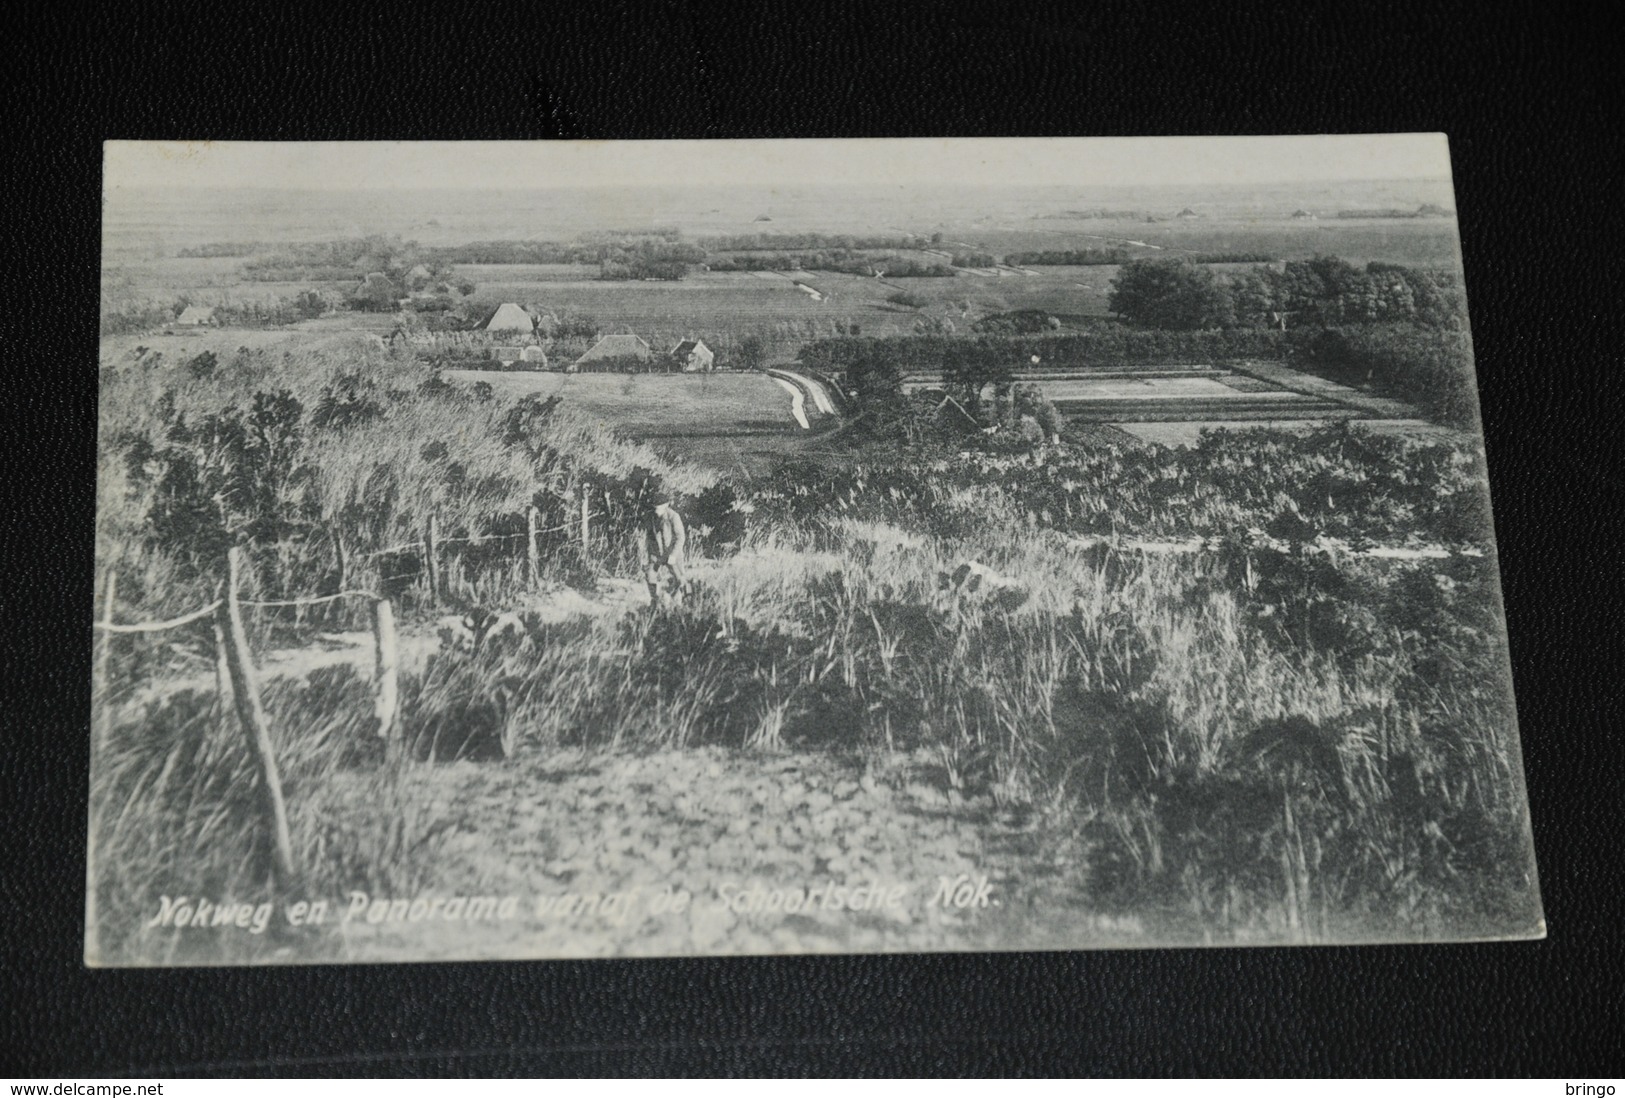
{"points": [[798, 403], [819, 396], [416, 642], [759, 843]]}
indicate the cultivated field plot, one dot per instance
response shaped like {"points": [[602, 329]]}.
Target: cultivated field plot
{"points": [[723, 421], [1192, 400], [718, 402]]}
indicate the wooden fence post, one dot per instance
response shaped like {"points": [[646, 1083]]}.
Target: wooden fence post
{"points": [[104, 664], [104, 732], [222, 670], [386, 678], [431, 564], [93, 921], [251, 714], [343, 563], [533, 552]]}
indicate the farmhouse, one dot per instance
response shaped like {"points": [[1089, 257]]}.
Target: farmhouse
{"points": [[692, 356], [1187, 214], [616, 346], [194, 315], [508, 317]]}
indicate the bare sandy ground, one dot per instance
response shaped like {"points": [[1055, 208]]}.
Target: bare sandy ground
{"points": [[709, 851]]}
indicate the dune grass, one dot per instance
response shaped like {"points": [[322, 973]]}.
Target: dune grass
{"points": [[1235, 745]]}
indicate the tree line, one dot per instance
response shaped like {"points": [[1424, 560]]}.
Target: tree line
{"points": [[147, 315], [1318, 292], [802, 242]]}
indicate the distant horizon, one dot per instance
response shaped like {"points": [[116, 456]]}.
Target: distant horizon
{"points": [[902, 163], [831, 184]]}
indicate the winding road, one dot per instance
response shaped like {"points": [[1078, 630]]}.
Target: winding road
{"points": [[801, 387]]}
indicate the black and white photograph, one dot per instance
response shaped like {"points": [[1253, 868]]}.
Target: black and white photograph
{"points": [[567, 549]]}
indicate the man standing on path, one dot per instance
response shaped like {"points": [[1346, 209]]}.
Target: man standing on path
{"points": [[661, 538]]}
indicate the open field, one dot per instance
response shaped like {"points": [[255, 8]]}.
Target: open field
{"points": [[139, 218], [1420, 242], [705, 303], [143, 231], [178, 345], [721, 401], [727, 422]]}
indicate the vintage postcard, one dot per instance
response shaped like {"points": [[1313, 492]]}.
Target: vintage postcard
{"points": [[542, 550]]}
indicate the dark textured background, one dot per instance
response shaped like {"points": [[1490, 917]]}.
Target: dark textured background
{"points": [[1520, 91]]}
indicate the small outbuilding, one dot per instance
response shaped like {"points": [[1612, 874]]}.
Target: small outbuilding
{"points": [[195, 316], [534, 356], [692, 356]]}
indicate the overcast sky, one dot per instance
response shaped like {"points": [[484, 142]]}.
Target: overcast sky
{"points": [[902, 162]]}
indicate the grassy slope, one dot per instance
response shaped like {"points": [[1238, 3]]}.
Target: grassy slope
{"points": [[1213, 769]]}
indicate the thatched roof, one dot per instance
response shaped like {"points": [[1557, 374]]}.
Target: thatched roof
{"points": [[617, 346], [196, 314], [508, 317]]}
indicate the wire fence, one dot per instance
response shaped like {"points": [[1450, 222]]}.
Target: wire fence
{"points": [[238, 680], [480, 539], [576, 523], [205, 611]]}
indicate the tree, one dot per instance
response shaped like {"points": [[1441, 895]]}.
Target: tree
{"points": [[969, 367], [377, 294], [752, 352], [204, 365], [1324, 290], [230, 477], [1027, 417], [1254, 297], [875, 379], [1170, 293], [572, 325], [309, 305]]}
